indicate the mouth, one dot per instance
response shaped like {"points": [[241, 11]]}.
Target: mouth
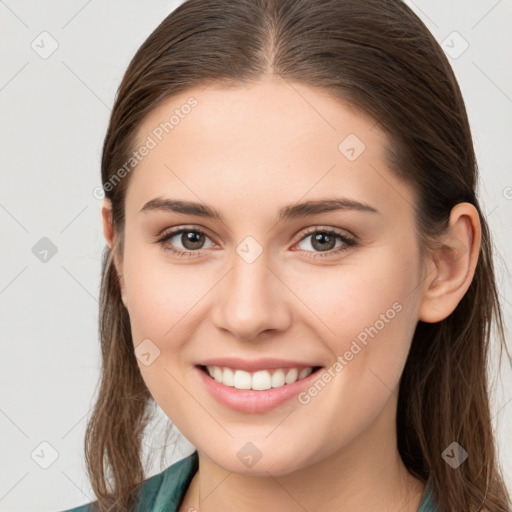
{"points": [[255, 385], [260, 380]]}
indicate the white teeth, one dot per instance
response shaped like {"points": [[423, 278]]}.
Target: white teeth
{"points": [[278, 379], [242, 380], [228, 377], [217, 373], [260, 380], [291, 376], [305, 372]]}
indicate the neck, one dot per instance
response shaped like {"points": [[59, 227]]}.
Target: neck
{"points": [[366, 474]]}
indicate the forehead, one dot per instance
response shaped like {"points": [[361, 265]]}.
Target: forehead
{"points": [[261, 108], [271, 139]]}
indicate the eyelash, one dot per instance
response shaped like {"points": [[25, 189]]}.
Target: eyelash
{"points": [[348, 242]]}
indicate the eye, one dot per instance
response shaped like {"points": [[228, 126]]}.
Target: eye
{"points": [[324, 241], [191, 239]]}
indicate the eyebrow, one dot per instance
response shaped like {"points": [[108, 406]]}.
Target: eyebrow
{"points": [[293, 211]]}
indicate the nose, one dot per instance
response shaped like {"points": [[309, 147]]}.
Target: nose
{"points": [[251, 300]]}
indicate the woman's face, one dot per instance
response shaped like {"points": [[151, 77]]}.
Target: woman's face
{"points": [[265, 291]]}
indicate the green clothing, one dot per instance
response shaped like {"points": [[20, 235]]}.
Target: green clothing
{"points": [[164, 491]]}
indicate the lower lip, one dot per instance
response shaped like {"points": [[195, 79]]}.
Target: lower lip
{"points": [[250, 400]]}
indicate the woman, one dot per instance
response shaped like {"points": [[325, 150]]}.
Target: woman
{"points": [[298, 270]]}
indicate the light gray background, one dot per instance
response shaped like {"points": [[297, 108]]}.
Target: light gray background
{"points": [[54, 114]]}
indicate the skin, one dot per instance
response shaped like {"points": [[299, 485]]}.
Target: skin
{"points": [[274, 141]]}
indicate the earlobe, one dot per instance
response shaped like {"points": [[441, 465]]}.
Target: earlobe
{"points": [[454, 265]]}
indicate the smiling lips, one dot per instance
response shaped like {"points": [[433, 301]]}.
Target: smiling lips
{"points": [[255, 386]]}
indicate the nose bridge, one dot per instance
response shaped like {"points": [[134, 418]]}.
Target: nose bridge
{"points": [[251, 300]]}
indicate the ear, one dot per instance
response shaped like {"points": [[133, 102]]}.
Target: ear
{"points": [[452, 265], [110, 238]]}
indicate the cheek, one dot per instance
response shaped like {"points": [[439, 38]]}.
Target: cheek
{"points": [[161, 296], [162, 299], [351, 298], [371, 317], [366, 312]]}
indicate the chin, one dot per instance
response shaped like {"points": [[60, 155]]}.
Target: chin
{"points": [[253, 462]]}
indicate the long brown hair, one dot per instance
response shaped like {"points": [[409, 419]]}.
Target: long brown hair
{"points": [[380, 57]]}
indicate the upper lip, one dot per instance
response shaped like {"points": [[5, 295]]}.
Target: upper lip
{"points": [[254, 364]]}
